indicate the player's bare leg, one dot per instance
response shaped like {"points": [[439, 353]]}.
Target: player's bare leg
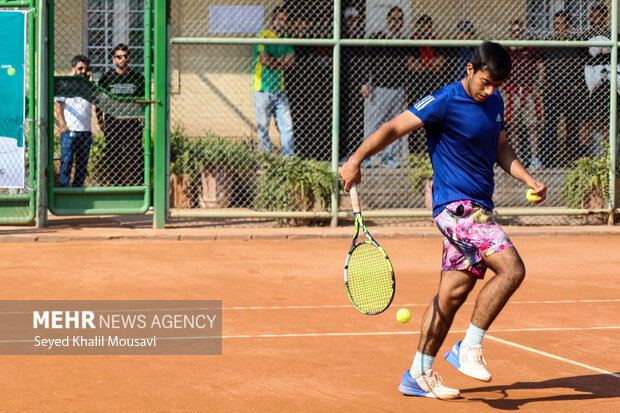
{"points": [[421, 380], [454, 287], [509, 274], [509, 270]]}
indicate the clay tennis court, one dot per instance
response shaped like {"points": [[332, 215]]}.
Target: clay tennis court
{"points": [[292, 342]]}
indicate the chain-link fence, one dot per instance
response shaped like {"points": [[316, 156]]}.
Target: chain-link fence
{"points": [[252, 120], [99, 64]]}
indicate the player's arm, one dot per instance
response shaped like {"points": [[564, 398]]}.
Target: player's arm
{"points": [[508, 161], [401, 125], [60, 115]]}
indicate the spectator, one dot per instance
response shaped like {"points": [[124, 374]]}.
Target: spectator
{"points": [[352, 28], [124, 148], [75, 132], [596, 113], [384, 89], [562, 90], [465, 31], [351, 78], [523, 103], [426, 65], [270, 62], [310, 106]]}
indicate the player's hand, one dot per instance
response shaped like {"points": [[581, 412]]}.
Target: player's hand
{"points": [[539, 189], [349, 173], [64, 128]]}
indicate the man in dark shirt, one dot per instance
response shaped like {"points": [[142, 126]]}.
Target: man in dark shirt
{"points": [[384, 89], [596, 108], [124, 155], [563, 92]]}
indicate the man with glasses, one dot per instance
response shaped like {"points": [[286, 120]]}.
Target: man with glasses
{"points": [[73, 116], [124, 155]]}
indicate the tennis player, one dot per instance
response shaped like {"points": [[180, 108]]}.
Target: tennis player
{"points": [[464, 125]]}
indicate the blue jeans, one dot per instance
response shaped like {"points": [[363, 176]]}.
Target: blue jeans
{"points": [[74, 146], [266, 105]]}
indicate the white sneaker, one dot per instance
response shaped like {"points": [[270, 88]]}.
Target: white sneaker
{"points": [[429, 384], [469, 361]]}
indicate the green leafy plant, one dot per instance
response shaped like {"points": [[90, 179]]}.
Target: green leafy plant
{"points": [[422, 170], [191, 155], [292, 183], [587, 180]]}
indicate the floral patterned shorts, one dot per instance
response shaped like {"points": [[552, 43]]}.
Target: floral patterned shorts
{"points": [[471, 234]]}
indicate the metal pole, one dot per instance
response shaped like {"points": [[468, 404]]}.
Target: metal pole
{"points": [[32, 130], [613, 112], [148, 59], [336, 112], [44, 42], [160, 145]]}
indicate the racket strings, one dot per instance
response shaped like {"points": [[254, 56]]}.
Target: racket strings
{"points": [[369, 277]]}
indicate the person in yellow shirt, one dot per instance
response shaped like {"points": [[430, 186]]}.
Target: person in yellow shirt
{"points": [[270, 99]]}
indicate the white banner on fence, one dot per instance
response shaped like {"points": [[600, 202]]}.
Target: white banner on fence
{"points": [[12, 98]]}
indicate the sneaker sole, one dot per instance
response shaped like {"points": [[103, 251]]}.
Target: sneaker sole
{"points": [[408, 391]]}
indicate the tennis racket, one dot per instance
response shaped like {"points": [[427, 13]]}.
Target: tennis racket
{"points": [[368, 273]]}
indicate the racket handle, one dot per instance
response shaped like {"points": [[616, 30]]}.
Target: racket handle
{"points": [[355, 199]]}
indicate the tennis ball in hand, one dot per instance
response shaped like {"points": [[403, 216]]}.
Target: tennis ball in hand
{"points": [[531, 196], [403, 315], [10, 71]]}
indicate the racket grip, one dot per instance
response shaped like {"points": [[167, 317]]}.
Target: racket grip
{"points": [[355, 199]]}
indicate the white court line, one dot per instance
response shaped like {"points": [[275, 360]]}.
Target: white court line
{"points": [[314, 307], [388, 333], [553, 356], [510, 343]]}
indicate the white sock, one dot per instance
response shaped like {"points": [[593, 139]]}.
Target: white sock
{"points": [[474, 335], [421, 364]]}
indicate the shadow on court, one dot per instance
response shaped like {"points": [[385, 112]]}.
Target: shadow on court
{"points": [[599, 386]]}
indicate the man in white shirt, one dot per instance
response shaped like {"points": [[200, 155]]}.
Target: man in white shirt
{"points": [[74, 116]]}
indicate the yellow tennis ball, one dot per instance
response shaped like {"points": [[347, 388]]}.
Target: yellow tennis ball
{"points": [[403, 315], [10, 71], [531, 196]]}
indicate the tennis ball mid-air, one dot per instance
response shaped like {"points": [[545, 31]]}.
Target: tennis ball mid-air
{"points": [[403, 315], [10, 71], [531, 196]]}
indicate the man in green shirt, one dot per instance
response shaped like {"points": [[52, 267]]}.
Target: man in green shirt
{"points": [[270, 99]]}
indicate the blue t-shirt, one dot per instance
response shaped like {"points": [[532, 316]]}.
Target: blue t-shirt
{"points": [[462, 137]]}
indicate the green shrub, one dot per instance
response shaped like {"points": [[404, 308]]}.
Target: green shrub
{"points": [[422, 170], [292, 183]]}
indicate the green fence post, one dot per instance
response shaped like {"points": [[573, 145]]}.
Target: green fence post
{"points": [[160, 145], [336, 112], [613, 112], [44, 71]]}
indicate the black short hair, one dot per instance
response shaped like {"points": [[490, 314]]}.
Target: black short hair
{"points": [[278, 9], [563, 13], [425, 18], [601, 8], [493, 58], [79, 58], [395, 9], [122, 47]]}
